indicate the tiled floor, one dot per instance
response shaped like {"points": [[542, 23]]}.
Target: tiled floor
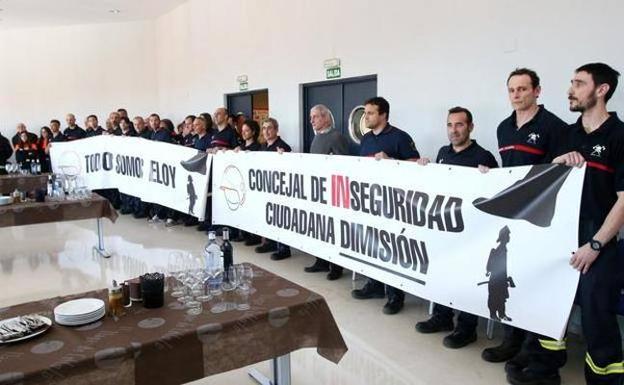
{"points": [[47, 260]]}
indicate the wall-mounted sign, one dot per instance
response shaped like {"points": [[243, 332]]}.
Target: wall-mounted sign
{"points": [[333, 73], [332, 68], [243, 86]]}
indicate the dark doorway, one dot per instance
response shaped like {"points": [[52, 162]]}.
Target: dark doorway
{"points": [[342, 97], [253, 104]]}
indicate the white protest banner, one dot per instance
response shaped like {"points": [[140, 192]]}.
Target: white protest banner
{"points": [[169, 175], [497, 244]]}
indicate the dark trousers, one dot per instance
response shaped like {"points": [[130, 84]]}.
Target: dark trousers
{"points": [[126, 201], [597, 295], [140, 207], [393, 293], [280, 246], [331, 266], [466, 322]]}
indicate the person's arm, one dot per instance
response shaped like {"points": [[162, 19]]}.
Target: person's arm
{"points": [[583, 258]]}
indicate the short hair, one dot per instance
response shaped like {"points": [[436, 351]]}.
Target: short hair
{"points": [[458, 110], [208, 118], [125, 119], [55, 121], [192, 117], [535, 80], [232, 116], [325, 111], [271, 121], [122, 110], [602, 73], [139, 117], [382, 105], [155, 115], [254, 126], [92, 116]]}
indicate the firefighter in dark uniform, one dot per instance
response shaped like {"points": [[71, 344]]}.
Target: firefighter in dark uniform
{"points": [[125, 199], [73, 131], [159, 134], [250, 130], [200, 141], [224, 137], [141, 209], [384, 141], [270, 129], [462, 151], [530, 135], [93, 128], [6, 151], [597, 140]]}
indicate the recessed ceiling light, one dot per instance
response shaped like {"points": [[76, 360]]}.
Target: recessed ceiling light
{"points": [[114, 11]]}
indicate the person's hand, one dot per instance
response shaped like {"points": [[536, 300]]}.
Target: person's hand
{"points": [[237, 149], [487, 274], [583, 258], [381, 155], [483, 169], [280, 150], [572, 159], [423, 161]]}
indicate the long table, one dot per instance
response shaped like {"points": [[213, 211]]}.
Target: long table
{"points": [[30, 213], [167, 346], [8, 183]]}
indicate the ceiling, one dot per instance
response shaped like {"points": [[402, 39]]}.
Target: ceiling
{"points": [[45, 13]]}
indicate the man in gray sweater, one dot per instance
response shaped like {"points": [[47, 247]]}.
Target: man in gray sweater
{"points": [[327, 140]]}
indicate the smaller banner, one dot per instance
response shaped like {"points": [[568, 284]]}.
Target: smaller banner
{"points": [[166, 174]]}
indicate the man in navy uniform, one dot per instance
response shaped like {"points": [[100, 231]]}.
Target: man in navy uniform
{"points": [[93, 128], [384, 141], [597, 140], [274, 143], [462, 151], [530, 135], [73, 131]]}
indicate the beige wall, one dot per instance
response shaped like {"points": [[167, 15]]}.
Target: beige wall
{"points": [[428, 56], [46, 73]]}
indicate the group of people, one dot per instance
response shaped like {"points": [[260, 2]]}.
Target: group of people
{"points": [[530, 135]]}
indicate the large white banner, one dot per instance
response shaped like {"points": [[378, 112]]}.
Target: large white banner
{"points": [[167, 174], [497, 245]]}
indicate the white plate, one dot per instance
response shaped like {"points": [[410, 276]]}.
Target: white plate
{"points": [[79, 307], [66, 322], [5, 201], [79, 319], [44, 329]]}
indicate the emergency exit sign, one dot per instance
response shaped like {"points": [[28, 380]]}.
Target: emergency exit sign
{"points": [[333, 73]]}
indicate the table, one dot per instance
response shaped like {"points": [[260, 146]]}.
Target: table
{"points": [[167, 346], [8, 183], [30, 213]]}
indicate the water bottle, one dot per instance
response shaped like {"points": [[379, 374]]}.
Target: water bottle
{"points": [[214, 264], [50, 186]]}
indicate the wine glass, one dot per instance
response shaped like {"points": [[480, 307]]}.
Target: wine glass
{"points": [[245, 278], [175, 267]]}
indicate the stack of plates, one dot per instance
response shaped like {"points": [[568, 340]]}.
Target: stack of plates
{"points": [[79, 311]]}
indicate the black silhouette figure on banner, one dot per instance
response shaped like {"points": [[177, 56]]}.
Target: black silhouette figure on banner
{"points": [[192, 196], [499, 282], [532, 198]]}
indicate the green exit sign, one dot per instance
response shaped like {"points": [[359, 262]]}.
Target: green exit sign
{"points": [[333, 73], [243, 86]]}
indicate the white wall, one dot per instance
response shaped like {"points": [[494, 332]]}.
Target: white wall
{"points": [[93, 69], [428, 55]]}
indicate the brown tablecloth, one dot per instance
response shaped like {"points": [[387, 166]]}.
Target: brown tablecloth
{"points": [[31, 213], [167, 346], [8, 183]]}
